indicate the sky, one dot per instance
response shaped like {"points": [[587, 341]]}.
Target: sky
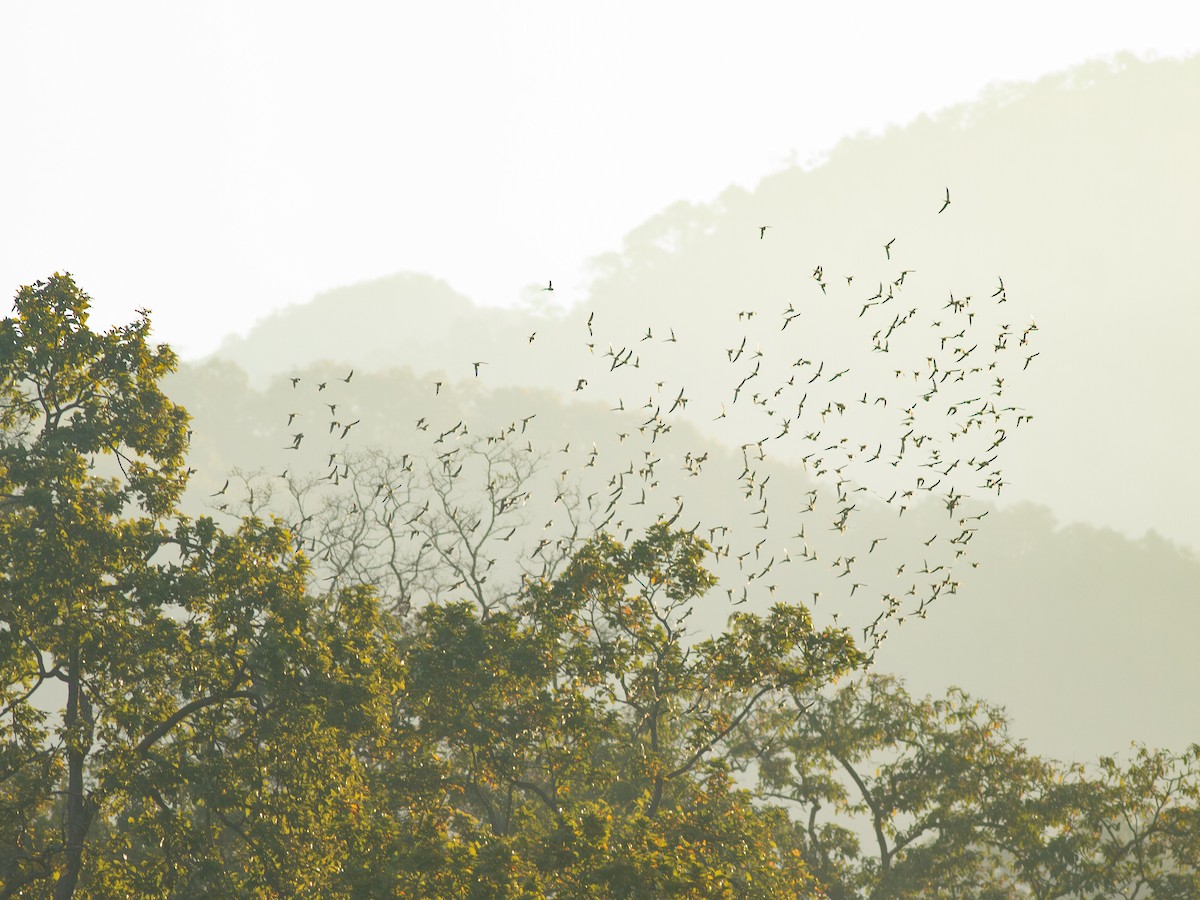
{"points": [[214, 162]]}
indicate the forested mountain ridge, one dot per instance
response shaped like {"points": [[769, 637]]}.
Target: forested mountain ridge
{"points": [[1078, 190]]}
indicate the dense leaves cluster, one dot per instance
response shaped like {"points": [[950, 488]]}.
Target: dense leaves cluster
{"points": [[897, 796], [583, 733], [184, 713]]}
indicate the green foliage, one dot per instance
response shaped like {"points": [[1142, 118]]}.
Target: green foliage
{"points": [[583, 730], [953, 804], [208, 700], [182, 714], [70, 599]]}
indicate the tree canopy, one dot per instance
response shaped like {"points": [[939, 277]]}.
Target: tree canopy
{"points": [[186, 709]]}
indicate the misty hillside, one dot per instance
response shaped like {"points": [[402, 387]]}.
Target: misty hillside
{"points": [[1105, 264], [1084, 634], [1075, 588]]}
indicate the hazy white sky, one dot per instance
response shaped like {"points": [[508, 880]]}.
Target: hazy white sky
{"points": [[215, 161]]}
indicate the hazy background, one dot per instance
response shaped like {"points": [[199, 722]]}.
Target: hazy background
{"points": [[423, 172], [215, 162]]}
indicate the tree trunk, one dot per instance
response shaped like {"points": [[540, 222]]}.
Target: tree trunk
{"points": [[78, 722]]}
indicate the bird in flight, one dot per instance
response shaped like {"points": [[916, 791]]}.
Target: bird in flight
{"points": [[947, 203], [295, 381], [477, 365], [549, 286], [762, 231], [887, 248], [222, 490]]}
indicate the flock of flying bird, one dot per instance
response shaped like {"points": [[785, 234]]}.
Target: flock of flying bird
{"points": [[919, 414]]}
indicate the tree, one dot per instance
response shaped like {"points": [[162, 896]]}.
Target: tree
{"points": [[902, 797], [1123, 830], [69, 396], [583, 729], [176, 644]]}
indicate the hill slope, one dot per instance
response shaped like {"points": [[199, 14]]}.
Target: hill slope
{"points": [[1080, 191]]}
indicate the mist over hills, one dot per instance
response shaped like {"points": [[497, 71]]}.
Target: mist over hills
{"points": [[1085, 634], [1079, 191]]}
